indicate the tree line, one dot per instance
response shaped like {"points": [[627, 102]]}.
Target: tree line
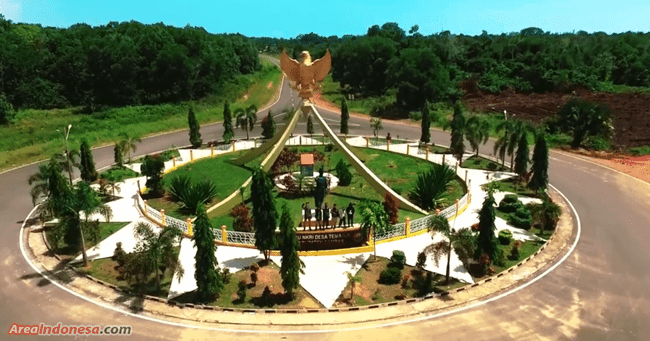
{"points": [[116, 64], [443, 66]]}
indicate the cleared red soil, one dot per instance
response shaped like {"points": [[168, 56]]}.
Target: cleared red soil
{"points": [[631, 111]]}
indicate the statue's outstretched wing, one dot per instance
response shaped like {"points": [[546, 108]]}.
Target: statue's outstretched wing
{"points": [[322, 66], [290, 67]]}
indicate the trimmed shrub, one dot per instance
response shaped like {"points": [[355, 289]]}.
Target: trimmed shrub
{"points": [[505, 237], [390, 275], [242, 288], [119, 255], [422, 258], [521, 218], [514, 252], [405, 281], [254, 278], [226, 275], [343, 173], [398, 259], [510, 203], [242, 221]]}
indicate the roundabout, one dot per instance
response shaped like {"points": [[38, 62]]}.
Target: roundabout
{"points": [[577, 311]]}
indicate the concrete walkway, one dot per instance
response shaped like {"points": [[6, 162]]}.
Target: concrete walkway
{"points": [[325, 276], [124, 208], [125, 235], [232, 258]]}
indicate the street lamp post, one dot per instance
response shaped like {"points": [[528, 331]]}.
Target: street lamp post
{"points": [[67, 152]]}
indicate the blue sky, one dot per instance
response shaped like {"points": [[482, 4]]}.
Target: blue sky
{"points": [[290, 18]]}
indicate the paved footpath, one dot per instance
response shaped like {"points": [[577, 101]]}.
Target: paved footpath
{"points": [[325, 276], [233, 320]]}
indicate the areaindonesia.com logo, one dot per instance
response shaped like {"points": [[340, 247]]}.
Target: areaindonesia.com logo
{"points": [[59, 329]]}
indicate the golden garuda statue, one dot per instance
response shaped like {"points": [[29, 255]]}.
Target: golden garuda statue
{"points": [[307, 75]]}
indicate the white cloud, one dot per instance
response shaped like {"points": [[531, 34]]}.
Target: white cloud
{"points": [[11, 10]]}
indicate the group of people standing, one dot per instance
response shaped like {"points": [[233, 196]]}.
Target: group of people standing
{"points": [[323, 216]]}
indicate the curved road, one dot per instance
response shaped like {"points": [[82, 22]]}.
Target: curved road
{"points": [[601, 292]]}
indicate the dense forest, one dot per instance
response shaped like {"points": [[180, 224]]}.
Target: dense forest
{"points": [[116, 64], [444, 66]]}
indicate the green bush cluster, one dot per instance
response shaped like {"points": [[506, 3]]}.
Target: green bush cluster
{"points": [[505, 237], [390, 275], [343, 173], [510, 203], [398, 259], [521, 218]]}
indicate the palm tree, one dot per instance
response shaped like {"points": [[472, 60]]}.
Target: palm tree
{"points": [[246, 118], [431, 187], [460, 240], [374, 219], [128, 144], [519, 130], [375, 124], [354, 279], [547, 213], [50, 184], [39, 181], [87, 201], [156, 250], [478, 132], [501, 145]]}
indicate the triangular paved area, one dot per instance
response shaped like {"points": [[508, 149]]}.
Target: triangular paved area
{"points": [[325, 276]]}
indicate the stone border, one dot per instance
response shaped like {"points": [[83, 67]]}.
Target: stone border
{"points": [[499, 282]]}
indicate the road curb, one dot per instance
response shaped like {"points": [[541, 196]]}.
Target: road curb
{"points": [[174, 304]]}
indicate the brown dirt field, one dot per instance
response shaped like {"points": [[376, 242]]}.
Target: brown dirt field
{"points": [[631, 111]]}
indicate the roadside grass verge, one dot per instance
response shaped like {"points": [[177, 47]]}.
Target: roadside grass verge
{"points": [[33, 135]]}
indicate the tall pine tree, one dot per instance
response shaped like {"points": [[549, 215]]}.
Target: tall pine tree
{"points": [[345, 117], [539, 179], [208, 278], [291, 266], [425, 124], [268, 126], [310, 125], [87, 163], [228, 131], [487, 243], [195, 134], [458, 133], [522, 158], [264, 212]]}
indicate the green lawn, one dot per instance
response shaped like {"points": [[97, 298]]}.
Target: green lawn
{"points": [[105, 270], [33, 135], [371, 291], [105, 230], [118, 174], [527, 248], [331, 91], [396, 170], [478, 162], [226, 177], [513, 186]]}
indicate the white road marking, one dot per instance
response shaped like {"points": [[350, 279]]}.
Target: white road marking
{"points": [[323, 331]]}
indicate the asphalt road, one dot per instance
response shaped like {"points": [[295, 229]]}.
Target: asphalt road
{"points": [[601, 292]]}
